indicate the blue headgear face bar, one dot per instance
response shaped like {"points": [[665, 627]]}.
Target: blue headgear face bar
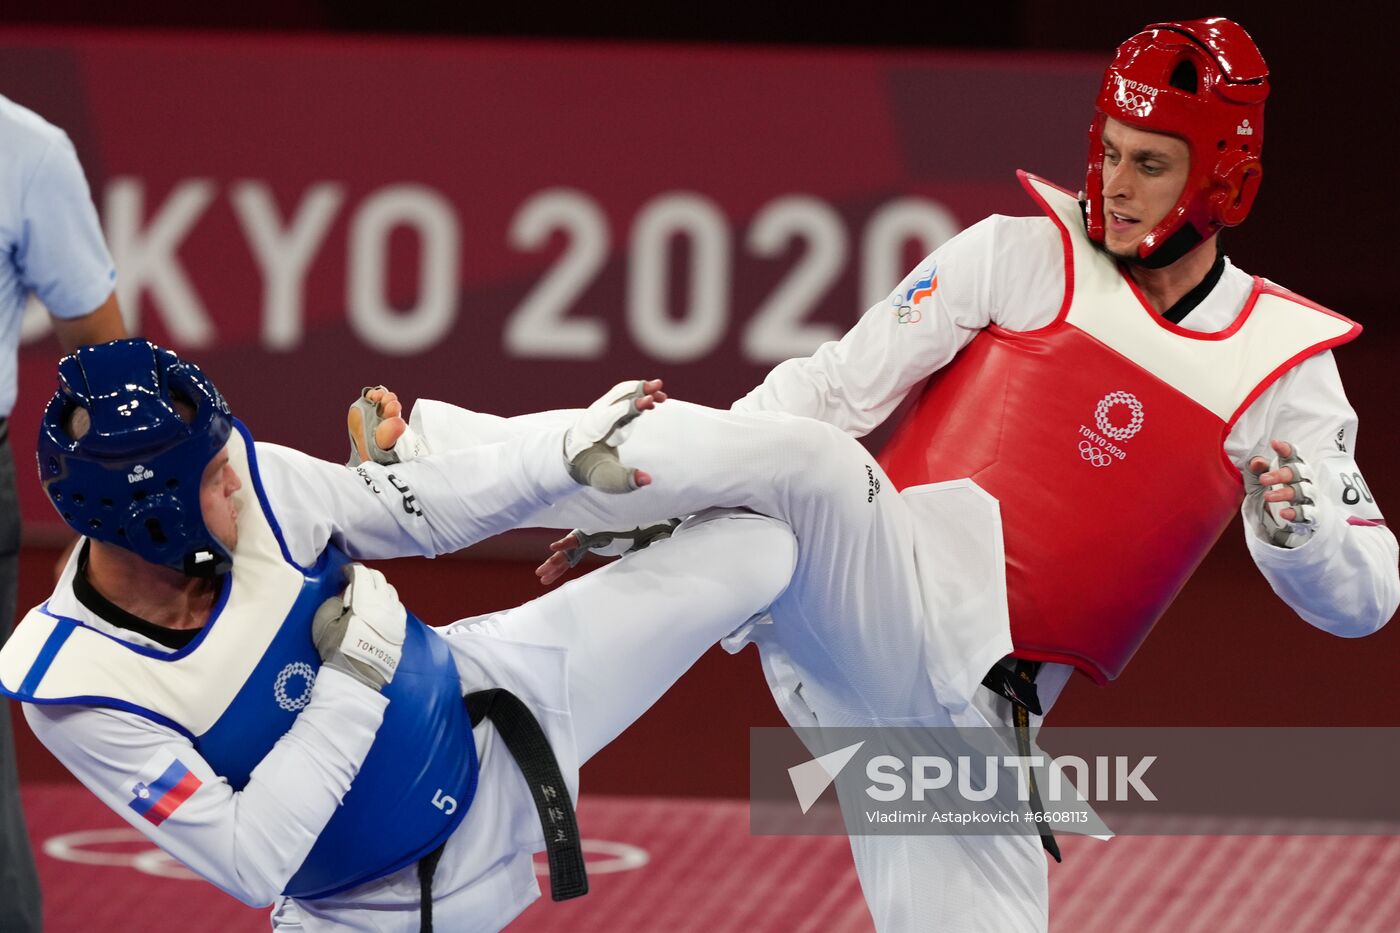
{"points": [[133, 478]]}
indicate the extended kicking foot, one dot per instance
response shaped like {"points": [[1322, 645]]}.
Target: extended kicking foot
{"points": [[378, 431]]}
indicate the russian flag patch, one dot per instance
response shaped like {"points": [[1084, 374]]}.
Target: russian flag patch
{"points": [[923, 288], [157, 799]]}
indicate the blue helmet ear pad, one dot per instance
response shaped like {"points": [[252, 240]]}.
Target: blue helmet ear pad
{"points": [[152, 525], [133, 478]]}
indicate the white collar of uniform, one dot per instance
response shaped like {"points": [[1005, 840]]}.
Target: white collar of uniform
{"points": [[64, 602]]}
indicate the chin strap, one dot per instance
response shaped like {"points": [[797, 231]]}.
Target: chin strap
{"points": [[1185, 239]]}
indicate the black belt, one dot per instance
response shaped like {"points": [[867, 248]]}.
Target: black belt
{"points": [[4, 429], [527, 744], [1018, 685]]}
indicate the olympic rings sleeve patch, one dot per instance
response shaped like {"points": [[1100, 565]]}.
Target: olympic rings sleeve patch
{"points": [[158, 789]]}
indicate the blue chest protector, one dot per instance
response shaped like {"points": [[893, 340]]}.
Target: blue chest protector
{"points": [[419, 777], [416, 782]]}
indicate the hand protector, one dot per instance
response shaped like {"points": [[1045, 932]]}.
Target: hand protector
{"points": [[363, 422], [617, 543], [1306, 504], [361, 632], [590, 445]]}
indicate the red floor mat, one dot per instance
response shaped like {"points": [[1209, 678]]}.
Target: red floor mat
{"points": [[691, 865]]}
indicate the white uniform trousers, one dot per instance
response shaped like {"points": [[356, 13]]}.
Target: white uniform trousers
{"points": [[847, 644], [588, 658]]}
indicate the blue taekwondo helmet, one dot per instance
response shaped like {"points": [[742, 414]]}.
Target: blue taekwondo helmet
{"points": [[133, 478]]}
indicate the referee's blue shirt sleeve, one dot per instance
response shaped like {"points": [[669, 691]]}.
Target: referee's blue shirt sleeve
{"points": [[61, 254]]}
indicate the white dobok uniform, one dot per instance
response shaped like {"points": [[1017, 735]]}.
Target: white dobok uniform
{"points": [[1010, 272], [897, 605], [588, 659]]}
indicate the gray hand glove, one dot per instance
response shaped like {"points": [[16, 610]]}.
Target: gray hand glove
{"points": [[1307, 505], [361, 632], [590, 446], [617, 543]]}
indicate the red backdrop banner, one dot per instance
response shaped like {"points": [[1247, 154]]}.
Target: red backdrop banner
{"points": [[517, 226]]}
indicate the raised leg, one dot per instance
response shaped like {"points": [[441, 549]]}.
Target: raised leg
{"points": [[851, 622], [634, 627]]}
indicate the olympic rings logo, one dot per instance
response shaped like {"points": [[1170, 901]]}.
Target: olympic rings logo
{"points": [[1135, 416], [279, 689], [1095, 456], [1133, 102], [116, 848], [907, 315]]}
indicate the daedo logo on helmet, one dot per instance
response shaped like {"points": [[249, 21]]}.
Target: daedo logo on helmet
{"points": [[129, 474]]}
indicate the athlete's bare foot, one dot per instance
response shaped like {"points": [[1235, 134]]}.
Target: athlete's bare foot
{"points": [[390, 429]]}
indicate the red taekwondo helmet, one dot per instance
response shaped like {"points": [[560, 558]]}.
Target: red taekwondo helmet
{"points": [[1203, 81]]}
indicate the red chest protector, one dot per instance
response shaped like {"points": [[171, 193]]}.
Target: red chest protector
{"points": [[1101, 436]]}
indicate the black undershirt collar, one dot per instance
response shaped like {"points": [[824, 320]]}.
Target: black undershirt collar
{"points": [[1188, 302], [109, 611]]}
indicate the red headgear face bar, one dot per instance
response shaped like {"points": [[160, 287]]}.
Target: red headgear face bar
{"points": [[1205, 82]]}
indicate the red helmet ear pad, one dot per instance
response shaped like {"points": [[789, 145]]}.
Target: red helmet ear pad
{"points": [[1236, 178], [1205, 83]]}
